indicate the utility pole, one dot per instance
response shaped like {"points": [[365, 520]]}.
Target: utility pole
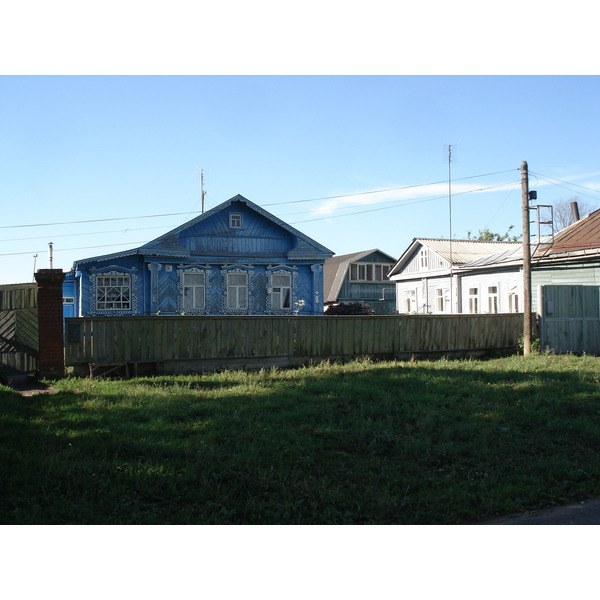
{"points": [[526, 260]]}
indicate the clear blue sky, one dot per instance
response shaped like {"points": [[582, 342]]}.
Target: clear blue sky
{"points": [[125, 148]]}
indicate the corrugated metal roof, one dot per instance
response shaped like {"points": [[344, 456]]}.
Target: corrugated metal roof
{"points": [[465, 251], [513, 255], [582, 235], [336, 267]]}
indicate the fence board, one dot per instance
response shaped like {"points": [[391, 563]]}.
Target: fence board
{"points": [[570, 318], [19, 342], [284, 339]]}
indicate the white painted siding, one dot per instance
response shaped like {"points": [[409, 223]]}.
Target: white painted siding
{"points": [[409, 296], [421, 295], [424, 260], [505, 284]]}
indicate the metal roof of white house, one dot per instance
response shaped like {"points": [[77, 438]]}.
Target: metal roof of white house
{"points": [[465, 251]]}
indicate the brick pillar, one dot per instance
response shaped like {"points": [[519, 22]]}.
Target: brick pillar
{"points": [[50, 323]]}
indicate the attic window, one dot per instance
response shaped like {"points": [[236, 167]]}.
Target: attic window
{"points": [[235, 220]]}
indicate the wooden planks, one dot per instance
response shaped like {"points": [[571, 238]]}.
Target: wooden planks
{"points": [[19, 339], [194, 338], [570, 318]]}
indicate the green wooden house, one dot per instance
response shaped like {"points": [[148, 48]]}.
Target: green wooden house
{"points": [[360, 277]]}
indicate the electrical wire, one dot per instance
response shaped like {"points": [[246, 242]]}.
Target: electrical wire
{"points": [[392, 204], [389, 204], [92, 221], [262, 205], [405, 187], [548, 179], [404, 203], [55, 250], [63, 235]]}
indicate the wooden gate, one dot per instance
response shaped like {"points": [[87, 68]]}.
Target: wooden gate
{"points": [[569, 318], [18, 328]]}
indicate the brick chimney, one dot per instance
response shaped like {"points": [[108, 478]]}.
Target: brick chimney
{"points": [[50, 323]]}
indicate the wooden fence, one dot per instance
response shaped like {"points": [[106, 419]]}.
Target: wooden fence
{"points": [[187, 344], [18, 328]]}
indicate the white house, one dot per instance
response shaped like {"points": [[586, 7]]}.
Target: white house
{"points": [[458, 276], [467, 276]]}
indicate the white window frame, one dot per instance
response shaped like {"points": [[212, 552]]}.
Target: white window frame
{"points": [[237, 293], [196, 290], [513, 302], [236, 220], [423, 259], [410, 301], [118, 285], [442, 300], [474, 300], [281, 295], [493, 298]]}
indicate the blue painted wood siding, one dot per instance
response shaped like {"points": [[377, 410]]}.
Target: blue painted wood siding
{"points": [[157, 288], [257, 236]]}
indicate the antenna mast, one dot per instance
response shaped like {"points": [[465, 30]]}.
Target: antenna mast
{"points": [[450, 222], [202, 192]]}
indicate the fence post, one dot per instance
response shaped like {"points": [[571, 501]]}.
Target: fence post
{"points": [[50, 323]]}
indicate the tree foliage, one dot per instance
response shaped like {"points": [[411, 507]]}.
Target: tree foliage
{"points": [[485, 235]]}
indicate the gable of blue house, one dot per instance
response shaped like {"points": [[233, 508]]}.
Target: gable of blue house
{"points": [[236, 259]]}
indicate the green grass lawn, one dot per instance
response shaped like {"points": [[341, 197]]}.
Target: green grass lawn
{"points": [[376, 443]]}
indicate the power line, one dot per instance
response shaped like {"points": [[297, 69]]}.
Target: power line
{"points": [[71, 249], [271, 204], [43, 237], [389, 205], [405, 187], [547, 179], [403, 203], [92, 221]]}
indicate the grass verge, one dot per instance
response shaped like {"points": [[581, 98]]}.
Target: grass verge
{"points": [[440, 442]]}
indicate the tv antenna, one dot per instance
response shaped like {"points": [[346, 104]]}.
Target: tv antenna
{"points": [[202, 192], [450, 220]]}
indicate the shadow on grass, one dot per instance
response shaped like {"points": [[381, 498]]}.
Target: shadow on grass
{"points": [[406, 443]]}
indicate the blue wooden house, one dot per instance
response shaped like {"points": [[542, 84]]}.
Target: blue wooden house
{"points": [[236, 259]]}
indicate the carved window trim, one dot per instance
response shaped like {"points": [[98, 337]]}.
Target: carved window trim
{"points": [[281, 270], [185, 270], [238, 270], [113, 271]]}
